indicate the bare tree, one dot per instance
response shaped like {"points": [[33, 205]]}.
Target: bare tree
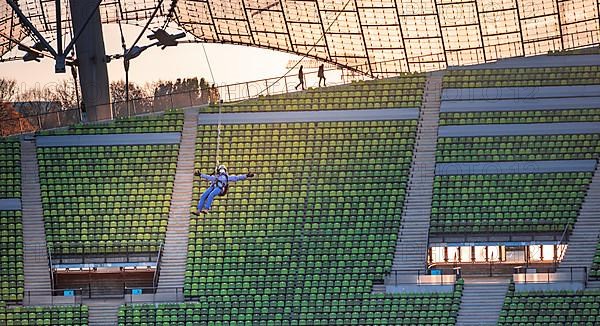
{"points": [[8, 89], [66, 94], [139, 100], [38, 101]]}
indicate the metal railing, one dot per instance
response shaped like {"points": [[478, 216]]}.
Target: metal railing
{"points": [[53, 297], [153, 294], [560, 275], [158, 265], [74, 253], [564, 239], [419, 278], [160, 103], [490, 236], [51, 266]]}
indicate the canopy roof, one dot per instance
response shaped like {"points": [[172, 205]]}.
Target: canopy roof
{"points": [[379, 37]]}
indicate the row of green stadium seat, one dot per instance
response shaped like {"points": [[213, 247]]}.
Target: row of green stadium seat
{"points": [[116, 198], [329, 228], [527, 202], [55, 315], [11, 253], [551, 307], [170, 121], [533, 116], [10, 168], [519, 77], [518, 148], [300, 309], [404, 91]]}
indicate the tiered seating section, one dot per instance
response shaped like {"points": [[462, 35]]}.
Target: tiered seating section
{"points": [[56, 315], [400, 92], [106, 199], [517, 77], [10, 168], [11, 253], [377, 309], [540, 202], [306, 238], [170, 121], [534, 116], [302, 242], [595, 270], [551, 308], [11, 227], [518, 148]]}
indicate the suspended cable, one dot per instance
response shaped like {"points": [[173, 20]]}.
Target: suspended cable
{"points": [[125, 64], [208, 63], [219, 104]]}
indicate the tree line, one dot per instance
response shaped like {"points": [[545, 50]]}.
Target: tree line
{"points": [[65, 95]]}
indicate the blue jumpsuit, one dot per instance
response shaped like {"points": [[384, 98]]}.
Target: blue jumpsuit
{"points": [[216, 187]]}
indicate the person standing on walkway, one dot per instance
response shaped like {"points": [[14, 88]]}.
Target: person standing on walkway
{"points": [[300, 78], [321, 74]]}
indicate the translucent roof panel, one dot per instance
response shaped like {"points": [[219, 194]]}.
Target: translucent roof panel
{"points": [[379, 38], [387, 37], [11, 30]]}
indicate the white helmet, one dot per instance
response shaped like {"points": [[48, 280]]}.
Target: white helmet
{"points": [[221, 169]]}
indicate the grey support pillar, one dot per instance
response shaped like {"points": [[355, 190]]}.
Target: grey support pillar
{"points": [[93, 75]]}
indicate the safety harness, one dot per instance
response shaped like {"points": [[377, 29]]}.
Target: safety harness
{"points": [[224, 186]]}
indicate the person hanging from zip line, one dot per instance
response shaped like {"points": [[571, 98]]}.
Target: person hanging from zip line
{"points": [[219, 186]]}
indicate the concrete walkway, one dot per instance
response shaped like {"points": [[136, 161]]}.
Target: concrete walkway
{"points": [[513, 129], [521, 104], [492, 93], [308, 116], [516, 167], [109, 139], [10, 204]]}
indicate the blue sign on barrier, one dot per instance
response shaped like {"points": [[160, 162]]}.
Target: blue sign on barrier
{"points": [[136, 291], [436, 272], [68, 293]]}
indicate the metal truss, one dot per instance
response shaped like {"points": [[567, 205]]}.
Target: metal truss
{"points": [[378, 37]]}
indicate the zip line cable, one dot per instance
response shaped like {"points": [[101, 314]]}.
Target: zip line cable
{"points": [[219, 104]]}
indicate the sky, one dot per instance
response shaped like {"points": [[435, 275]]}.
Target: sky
{"points": [[230, 63]]}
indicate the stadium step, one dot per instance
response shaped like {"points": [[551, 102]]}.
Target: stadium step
{"points": [[35, 253], [378, 288], [482, 301], [593, 285], [174, 258], [411, 246], [584, 237], [103, 312]]}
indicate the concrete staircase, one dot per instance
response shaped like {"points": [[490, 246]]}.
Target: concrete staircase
{"points": [[482, 301], [35, 253], [584, 238], [103, 312], [413, 237], [173, 262]]}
